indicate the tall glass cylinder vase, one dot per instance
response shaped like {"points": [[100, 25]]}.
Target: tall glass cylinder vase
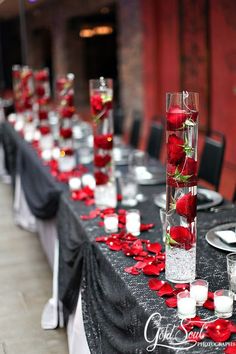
{"points": [[101, 96], [181, 185]]}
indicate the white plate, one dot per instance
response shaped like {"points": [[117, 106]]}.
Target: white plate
{"points": [[215, 241], [216, 199]]}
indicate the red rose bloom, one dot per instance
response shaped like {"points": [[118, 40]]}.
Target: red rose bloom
{"points": [[44, 130], [61, 83], [104, 142], [96, 104], [41, 75], [68, 151], [180, 236], [67, 112], [186, 206], [40, 91], [66, 133], [176, 118], [101, 160], [175, 149], [69, 99], [188, 167], [43, 115], [43, 101], [101, 178]]}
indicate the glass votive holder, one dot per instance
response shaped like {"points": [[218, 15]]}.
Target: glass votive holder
{"points": [[186, 305], [129, 190], [88, 180], [199, 291], [133, 222], [111, 223], [74, 183], [231, 270], [223, 301], [163, 223]]}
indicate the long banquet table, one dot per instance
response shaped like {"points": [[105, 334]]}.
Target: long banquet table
{"points": [[115, 305]]}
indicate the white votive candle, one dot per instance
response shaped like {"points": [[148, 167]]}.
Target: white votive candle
{"points": [[186, 305], [46, 155], [74, 183], [199, 291], [133, 222], [223, 301], [88, 180], [111, 223], [56, 153]]}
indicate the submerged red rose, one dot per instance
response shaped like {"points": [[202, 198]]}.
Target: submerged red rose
{"points": [[180, 236], [67, 112], [66, 133], [186, 206], [96, 104], [44, 130], [101, 178], [101, 160], [176, 118], [175, 149], [188, 167], [104, 141]]}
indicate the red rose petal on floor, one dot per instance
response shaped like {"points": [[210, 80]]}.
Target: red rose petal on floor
{"points": [[132, 270], [154, 247], [231, 348], [101, 239], [143, 253], [183, 286], [171, 302], [165, 290], [151, 269], [155, 284], [209, 304], [146, 227]]}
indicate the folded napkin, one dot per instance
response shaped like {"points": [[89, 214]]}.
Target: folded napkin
{"points": [[227, 236]]}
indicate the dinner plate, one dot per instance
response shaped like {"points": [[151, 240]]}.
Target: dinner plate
{"points": [[215, 241], [212, 199]]}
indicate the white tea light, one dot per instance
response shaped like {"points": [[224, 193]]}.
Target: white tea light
{"points": [[186, 305], [56, 153], [46, 155], [111, 223], [223, 301], [133, 222], [88, 180], [74, 183], [199, 291]]}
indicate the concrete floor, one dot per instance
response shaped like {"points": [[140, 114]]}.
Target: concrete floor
{"points": [[25, 286]]}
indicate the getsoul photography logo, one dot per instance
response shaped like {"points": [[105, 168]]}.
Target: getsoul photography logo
{"points": [[156, 334]]}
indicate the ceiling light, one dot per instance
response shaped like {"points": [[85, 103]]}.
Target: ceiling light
{"points": [[103, 30], [86, 32]]}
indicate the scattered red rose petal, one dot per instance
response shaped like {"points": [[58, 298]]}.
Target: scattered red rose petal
{"points": [[155, 284], [146, 227], [166, 290], [171, 302], [183, 286], [219, 330], [101, 239], [151, 269], [132, 270], [231, 348], [209, 305], [154, 247], [114, 245], [232, 327], [101, 223], [210, 295]]}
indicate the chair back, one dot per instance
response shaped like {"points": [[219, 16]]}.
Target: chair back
{"points": [[212, 160], [118, 120], [135, 130], [155, 140]]}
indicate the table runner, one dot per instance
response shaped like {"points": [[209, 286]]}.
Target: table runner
{"points": [[116, 305]]}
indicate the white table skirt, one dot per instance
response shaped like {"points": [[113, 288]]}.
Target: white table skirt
{"points": [[47, 232]]}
